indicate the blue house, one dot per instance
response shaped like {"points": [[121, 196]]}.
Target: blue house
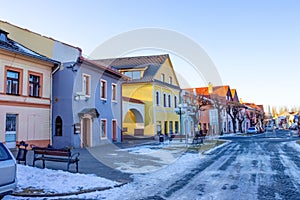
{"points": [[86, 107]]}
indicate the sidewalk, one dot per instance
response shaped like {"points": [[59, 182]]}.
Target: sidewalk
{"points": [[115, 162], [94, 160]]}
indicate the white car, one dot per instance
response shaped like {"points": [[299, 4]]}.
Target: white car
{"points": [[8, 171], [252, 130]]}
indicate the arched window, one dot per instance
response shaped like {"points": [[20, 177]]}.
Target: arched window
{"points": [[175, 101], [58, 126], [157, 98]]}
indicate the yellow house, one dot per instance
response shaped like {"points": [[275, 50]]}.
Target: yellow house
{"points": [[152, 94]]}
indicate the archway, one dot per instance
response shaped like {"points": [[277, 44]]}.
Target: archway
{"points": [[133, 123]]}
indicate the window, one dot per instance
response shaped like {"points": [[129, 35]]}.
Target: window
{"points": [[175, 101], [133, 74], [114, 92], [86, 84], [171, 127], [169, 101], [12, 82], [103, 128], [103, 89], [157, 98], [176, 126], [165, 100], [170, 80], [35, 84], [163, 77], [58, 126]]}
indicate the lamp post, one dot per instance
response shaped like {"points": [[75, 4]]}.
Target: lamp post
{"points": [[179, 111]]}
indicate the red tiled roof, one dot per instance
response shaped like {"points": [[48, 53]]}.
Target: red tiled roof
{"points": [[218, 90]]}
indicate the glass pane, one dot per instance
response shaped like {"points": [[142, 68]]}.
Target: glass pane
{"points": [[4, 155], [129, 74], [136, 75], [11, 122], [12, 74]]}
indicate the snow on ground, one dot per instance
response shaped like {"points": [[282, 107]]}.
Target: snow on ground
{"points": [[47, 181], [146, 184]]}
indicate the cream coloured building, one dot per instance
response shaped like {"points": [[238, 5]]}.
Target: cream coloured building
{"points": [[25, 94]]}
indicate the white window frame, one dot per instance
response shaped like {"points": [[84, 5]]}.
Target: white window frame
{"points": [[163, 77], [175, 101], [105, 96], [86, 93], [112, 128], [165, 100], [101, 121], [157, 103], [170, 80], [169, 101], [116, 92]]}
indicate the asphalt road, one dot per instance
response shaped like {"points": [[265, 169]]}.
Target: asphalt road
{"points": [[263, 166]]}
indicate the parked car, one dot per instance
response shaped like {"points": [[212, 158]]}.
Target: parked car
{"points": [[252, 130], [8, 171]]}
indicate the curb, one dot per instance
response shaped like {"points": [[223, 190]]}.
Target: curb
{"points": [[67, 194]]}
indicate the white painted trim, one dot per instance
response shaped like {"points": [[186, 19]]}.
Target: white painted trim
{"points": [[102, 80], [103, 119]]}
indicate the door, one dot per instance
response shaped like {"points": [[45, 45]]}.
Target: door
{"points": [[11, 130], [166, 127], [114, 130], [86, 132]]}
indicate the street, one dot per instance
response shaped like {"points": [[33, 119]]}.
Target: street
{"points": [[263, 166]]}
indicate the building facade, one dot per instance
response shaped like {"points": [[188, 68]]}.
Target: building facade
{"points": [[25, 94], [87, 105], [154, 83]]}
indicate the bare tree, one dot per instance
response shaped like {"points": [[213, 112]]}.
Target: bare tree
{"points": [[220, 105]]}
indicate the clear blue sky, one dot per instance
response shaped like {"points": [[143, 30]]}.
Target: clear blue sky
{"points": [[255, 44]]}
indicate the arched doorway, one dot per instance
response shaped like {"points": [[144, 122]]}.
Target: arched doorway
{"points": [[133, 122]]}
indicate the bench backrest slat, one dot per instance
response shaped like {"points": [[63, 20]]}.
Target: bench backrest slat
{"points": [[53, 152]]}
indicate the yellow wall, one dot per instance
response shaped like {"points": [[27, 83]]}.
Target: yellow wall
{"points": [[146, 92], [142, 92], [165, 113], [167, 69], [33, 41], [129, 122]]}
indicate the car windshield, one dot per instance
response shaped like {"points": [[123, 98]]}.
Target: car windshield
{"points": [[4, 154], [252, 128]]}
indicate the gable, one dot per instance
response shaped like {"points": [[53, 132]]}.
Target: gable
{"points": [[167, 70], [43, 45]]}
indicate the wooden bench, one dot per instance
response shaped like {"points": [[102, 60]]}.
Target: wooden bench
{"points": [[55, 155], [198, 139]]}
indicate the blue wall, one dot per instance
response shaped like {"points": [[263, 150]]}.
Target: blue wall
{"points": [[62, 89], [66, 83]]}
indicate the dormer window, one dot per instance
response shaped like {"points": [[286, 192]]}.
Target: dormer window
{"points": [[3, 36], [133, 74]]}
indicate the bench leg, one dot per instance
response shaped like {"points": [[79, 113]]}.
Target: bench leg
{"points": [[33, 163], [43, 163], [77, 167]]}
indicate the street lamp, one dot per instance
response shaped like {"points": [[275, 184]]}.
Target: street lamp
{"points": [[180, 112]]}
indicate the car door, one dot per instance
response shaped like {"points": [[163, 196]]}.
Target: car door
{"points": [[7, 167]]}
